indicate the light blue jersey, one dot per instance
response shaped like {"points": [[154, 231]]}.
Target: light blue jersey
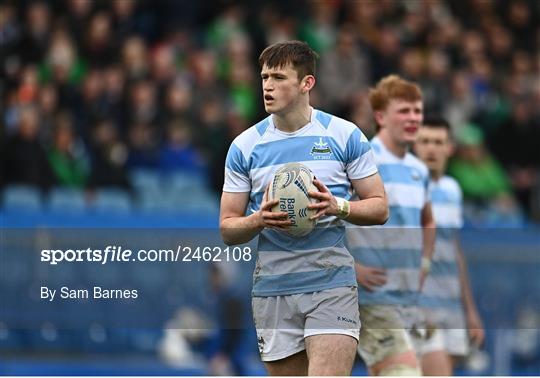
{"points": [[442, 291], [337, 152], [396, 246]]}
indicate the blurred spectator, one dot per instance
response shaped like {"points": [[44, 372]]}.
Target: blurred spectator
{"points": [[143, 143], [385, 52], [114, 101], [48, 107], [179, 152], [414, 27], [242, 94], [109, 157], [98, 45], [435, 85], [500, 48], [515, 144], [179, 101], [135, 58], [519, 18], [24, 158], [412, 64], [37, 28], [278, 25], [344, 70], [78, 18], [319, 30], [482, 179], [62, 67], [163, 65], [62, 64], [479, 175], [88, 105], [226, 25], [28, 88], [210, 135], [132, 17], [460, 106], [203, 65], [67, 157], [143, 105]]}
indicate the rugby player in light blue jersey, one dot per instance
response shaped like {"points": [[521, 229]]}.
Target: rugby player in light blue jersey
{"points": [[447, 295], [393, 261], [304, 289]]}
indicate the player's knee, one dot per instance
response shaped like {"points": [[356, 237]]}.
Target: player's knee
{"points": [[400, 371]]}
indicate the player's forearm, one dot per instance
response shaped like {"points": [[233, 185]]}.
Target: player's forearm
{"points": [[238, 230], [428, 240], [429, 233], [466, 292], [369, 211]]}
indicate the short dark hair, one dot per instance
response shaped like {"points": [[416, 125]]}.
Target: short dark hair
{"points": [[297, 53], [434, 121]]}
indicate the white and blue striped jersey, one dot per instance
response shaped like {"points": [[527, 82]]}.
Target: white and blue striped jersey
{"points": [[442, 291], [397, 245], [337, 152]]}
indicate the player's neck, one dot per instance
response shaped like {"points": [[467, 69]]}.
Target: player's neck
{"points": [[294, 120], [398, 149], [435, 175]]}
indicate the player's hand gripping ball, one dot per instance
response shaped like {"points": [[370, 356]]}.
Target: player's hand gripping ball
{"points": [[290, 186]]}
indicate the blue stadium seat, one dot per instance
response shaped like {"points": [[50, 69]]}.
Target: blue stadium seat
{"points": [[10, 339], [50, 337], [145, 340], [182, 181], [152, 200], [22, 197], [201, 200], [111, 200], [67, 200], [192, 200], [145, 180]]}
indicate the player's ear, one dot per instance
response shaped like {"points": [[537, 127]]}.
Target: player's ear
{"points": [[307, 84], [378, 115]]}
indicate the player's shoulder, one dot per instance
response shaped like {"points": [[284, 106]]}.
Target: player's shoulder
{"points": [[336, 125], [450, 184], [344, 133]]}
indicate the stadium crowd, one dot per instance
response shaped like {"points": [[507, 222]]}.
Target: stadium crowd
{"points": [[93, 89]]}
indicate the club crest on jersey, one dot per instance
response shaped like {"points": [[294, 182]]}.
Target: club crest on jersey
{"points": [[321, 150], [416, 175]]}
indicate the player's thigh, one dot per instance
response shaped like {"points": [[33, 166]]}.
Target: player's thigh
{"points": [[295, 365], [384, 342], [332, 329], [331, 354]]}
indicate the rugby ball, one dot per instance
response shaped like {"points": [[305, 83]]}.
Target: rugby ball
{"points": [[290, 186]]}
